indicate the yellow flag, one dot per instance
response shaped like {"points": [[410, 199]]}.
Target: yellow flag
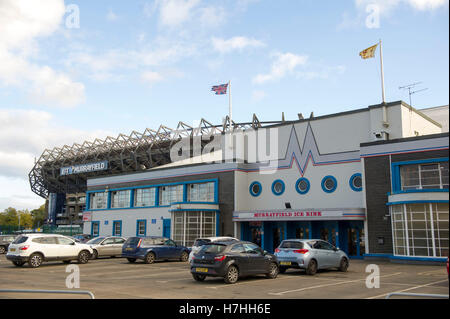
{"points": [[369, 52]]}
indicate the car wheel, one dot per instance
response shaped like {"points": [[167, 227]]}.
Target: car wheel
{"points": [[232, 275], [312, 267], [198, 277], [343, 266], [18, 263], [282, 270], [94, 254], [273, 272], [184, 256], [149, 258], [83, 257], [35, 260], [2, 249], [131, 260]]}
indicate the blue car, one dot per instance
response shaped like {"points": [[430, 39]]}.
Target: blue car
{"points": [[150, 249]]}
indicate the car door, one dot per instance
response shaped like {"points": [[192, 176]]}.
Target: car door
{"points": [[333, 255], [171, 250], [238, 253], [257, 262], [321, 254], [118, 244], [66, 247], [106, 248], [47, 245]]}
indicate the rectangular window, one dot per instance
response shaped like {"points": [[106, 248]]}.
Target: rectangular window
{"points": [[420, 229], [201, 192], [117, 228], [424, 176], [99, 200], [141, 228], [170, 194], [120, 199], [188, 226], [95, 229], [144, 197]]}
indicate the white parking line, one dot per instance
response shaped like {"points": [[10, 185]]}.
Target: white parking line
{"points": [[326, 285], [412, 288]]}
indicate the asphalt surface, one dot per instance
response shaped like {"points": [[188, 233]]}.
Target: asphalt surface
{"points": [[115, 278]]}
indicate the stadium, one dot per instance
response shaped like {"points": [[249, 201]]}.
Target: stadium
{"points": [[349, 178]]}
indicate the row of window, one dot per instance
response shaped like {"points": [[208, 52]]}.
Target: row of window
{"points": [[302, 186], [424, 176], [141, 228], [153, 196]]}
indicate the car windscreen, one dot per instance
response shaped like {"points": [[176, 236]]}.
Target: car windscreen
{"points": [[21, 239], [292, 244], [201, 242], [213, 249], [95, 241]]}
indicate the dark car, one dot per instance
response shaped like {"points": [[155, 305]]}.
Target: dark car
{"points": [[5, 240], [82, 238], [232, 260], [150, 249]]}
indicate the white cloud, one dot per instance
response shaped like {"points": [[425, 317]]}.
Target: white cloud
{"points": [[151, 77], [258, 95], [22, 23], [386, 6], [111, 16], [284, 64], [173, 13], [235, 43], [212, 16], [24, 135]]}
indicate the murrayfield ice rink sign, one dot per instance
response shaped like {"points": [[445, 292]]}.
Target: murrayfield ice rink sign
{"points": [[84, 168]]}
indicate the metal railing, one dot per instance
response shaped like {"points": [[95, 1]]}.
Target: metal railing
{"points": [[415, 295], [74, 292]]}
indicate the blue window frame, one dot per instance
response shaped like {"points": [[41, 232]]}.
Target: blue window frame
{"points": [[399, 186], [95, 228], [355, 182], [255, 189], [141, 228], [117, 228], [302, 185], [278, 187], [329, 184]]}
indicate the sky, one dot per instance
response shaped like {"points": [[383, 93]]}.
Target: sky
{"points": [[78, 70]]}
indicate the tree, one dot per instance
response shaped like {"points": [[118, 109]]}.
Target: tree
{"points": [[9, 217], [39, 216]]}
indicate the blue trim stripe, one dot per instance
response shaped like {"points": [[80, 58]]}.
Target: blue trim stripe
{"points": [[412, 258], [416, 202], [417, 150]]}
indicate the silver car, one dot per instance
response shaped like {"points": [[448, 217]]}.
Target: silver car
{"points": [[106, 246], [311, 255]]}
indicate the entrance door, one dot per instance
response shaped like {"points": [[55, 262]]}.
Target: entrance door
{"points": [[278, 236], [353, 242], [302, 233]]}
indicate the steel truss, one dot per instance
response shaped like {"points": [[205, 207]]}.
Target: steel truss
{"points": [[124, 153]]}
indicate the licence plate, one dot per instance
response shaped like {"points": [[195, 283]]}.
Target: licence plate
{"points": [[201, 269], [128, 249], [12, 249], [285, 263]]}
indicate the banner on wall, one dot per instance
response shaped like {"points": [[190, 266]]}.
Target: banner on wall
{"points": [[291, 214]]}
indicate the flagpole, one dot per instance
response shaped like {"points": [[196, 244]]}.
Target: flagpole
{"points": [[229, 105], [382, 73]]}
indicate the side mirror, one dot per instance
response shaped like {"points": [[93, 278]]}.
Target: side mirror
{"points": [[265, 252]]}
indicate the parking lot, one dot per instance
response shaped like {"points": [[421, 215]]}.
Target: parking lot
{"points": [[116, 278]]}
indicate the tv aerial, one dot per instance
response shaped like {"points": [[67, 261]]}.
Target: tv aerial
{"points": [[409, 87]]}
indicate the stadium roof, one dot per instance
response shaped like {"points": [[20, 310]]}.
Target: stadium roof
{"points": [[124, 153]]}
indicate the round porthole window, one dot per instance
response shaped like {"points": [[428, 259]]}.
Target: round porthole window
{"points": [[255, 188], [302, 185], [356, 182], [278, 187], [329, 184]]}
